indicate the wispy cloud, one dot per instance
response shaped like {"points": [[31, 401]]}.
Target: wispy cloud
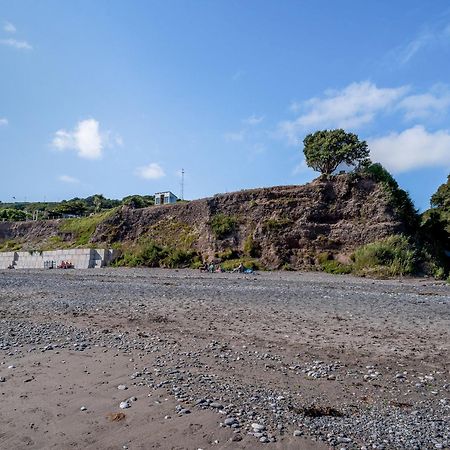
{"points": [[352, 107], [152, 171], [235, 136], [9, 27], [14, 43], [3, 121], [253, 120], [412, 149], [429, 37], [85, 139], [68, 179]]}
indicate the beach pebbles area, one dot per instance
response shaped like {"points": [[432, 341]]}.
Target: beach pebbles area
{"points": [[179, 359]]}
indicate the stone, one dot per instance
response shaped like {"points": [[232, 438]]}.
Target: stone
{"points": [[122, 387], [298, 432], [229, 421], [258, 427], [124, 405], [216, 405]]}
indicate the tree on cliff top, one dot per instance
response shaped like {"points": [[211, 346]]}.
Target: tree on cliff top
{"points": [[325, 150], [441, 199]]}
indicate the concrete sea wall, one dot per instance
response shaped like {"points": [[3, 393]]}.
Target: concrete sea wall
{"points": [[83, 258]]}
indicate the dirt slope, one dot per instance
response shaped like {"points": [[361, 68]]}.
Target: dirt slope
{"points": [[279, 225]]}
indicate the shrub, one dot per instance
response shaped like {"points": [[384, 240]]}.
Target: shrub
{"points": [[392, 256], [180, 258], [398, 198], [248, 264], [330, 265], [275, 224], [150, 254], [12, 215], [223, 225], [251, 248], [227, 254]]}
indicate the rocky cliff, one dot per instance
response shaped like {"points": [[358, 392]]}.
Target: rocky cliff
{"points": [[280, 226]]}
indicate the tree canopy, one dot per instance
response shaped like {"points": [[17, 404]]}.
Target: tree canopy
{"points": [[325, 150], [441, 198]]}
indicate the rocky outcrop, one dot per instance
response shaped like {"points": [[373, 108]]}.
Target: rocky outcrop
{"points": [[285, 225]]}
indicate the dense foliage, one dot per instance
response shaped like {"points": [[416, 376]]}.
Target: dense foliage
{"points": [[441, 199], [75, 207], [223, 225], [435, 230], [325, 150], [399, 199]]}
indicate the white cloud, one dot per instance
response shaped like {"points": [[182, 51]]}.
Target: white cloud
{"points": [[85, 139], [295, 107], [406, 53], [427, 38], [20, 45], [421, 106], [9, 27], [68, 179], [253, 120], [152, 171], [235, 136], [412, 149], [352, 107], [3, 121]]}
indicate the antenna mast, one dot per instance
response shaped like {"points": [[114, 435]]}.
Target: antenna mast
{"points": [[182, 184]]}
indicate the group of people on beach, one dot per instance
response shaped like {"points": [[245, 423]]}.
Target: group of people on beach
{"points": [[217, 268]]}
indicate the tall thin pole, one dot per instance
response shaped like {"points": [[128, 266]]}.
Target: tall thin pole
{"points": [[182, 184]]}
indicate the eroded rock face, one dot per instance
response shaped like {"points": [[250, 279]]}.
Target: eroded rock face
{"points": [[279, 225]]}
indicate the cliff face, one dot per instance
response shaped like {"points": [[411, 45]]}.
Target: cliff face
{"points": [[278, 225]]}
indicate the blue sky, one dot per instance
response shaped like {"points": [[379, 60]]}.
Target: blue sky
{"points": [[115, 97]]}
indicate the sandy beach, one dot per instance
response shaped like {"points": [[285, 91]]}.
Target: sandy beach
{"points": [[282, 360]]}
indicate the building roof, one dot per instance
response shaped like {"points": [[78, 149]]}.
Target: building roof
{"points": [[165, 192]]}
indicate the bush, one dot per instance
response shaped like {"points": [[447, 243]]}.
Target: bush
{"points": [[330, 265], [227, 254], [138, 201], [275, 224], [180, 258], [248, 264], [12, 215], [392, 256], [150, 254], [398, 198], [222, 225], [251, 248]]}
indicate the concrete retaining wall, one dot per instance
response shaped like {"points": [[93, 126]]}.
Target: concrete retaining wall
{"points": [[83, 258]]}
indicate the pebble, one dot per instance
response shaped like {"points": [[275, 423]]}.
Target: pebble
{"points": [[258, 427], [216, 405], [83, 408], [230, 421], [187, 370]]}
